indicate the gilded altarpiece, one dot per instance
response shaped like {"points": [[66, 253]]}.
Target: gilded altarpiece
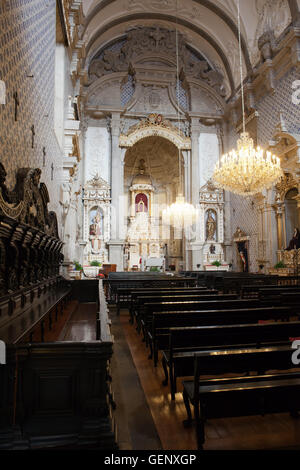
{"points": [[287, 147]]}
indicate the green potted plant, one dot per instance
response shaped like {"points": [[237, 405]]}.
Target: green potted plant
{"points": [[279, 265], [217, 263], [154, 269], [78, 269], [92, 270], [95, 263]]}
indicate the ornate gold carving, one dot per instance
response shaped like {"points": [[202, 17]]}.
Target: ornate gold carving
{"points": [[75, 148], [155, 125], [240, 235], [285, 184], [27, 203]]}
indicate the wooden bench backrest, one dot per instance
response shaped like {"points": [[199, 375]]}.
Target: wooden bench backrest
{"points": [[241, 360], [217, 317], [200, 336], [209, 304]]}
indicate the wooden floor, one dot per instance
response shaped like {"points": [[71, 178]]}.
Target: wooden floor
{"points": [[278, 431]]}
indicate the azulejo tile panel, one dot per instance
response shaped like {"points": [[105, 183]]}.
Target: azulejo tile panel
{"points": [[27, 66]]}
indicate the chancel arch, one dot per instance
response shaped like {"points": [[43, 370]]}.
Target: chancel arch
{"points": [[151, 183]]}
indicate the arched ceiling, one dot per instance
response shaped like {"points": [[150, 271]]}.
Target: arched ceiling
{"points": [[210, 26], [161, 160]]}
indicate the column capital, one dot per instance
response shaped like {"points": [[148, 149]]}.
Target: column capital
{"points": [[115, 123], [195, 127]]}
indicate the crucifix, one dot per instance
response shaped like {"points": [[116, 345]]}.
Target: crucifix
{"points": [[52, 170], [17, 103], [32, 136], [44, 155]]}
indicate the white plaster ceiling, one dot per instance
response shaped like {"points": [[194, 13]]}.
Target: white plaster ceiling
{"points": [[107, 19]]}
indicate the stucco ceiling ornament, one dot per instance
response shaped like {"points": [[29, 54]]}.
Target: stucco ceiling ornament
{"points": [[155, 125], [159, 41], [273, 15]]}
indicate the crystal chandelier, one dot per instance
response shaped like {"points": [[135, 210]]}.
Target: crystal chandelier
{"points": [[247, 170], [179, 214]]}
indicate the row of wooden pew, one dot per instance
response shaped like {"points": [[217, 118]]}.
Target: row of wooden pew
{"points": [[200, 332]]}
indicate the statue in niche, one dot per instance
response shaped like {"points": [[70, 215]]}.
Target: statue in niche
{"points": [[295, 241], [211, 225], [212, 249], [96, 219], [141, 203]]}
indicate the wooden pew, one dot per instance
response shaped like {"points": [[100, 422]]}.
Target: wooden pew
{"points": [[241, 396], [205, 302], [159, 291], [184, 342], [141, 300], [257, 291], [123, 295], [162, 322], [131, 281], [135, 293], [211, 302]]}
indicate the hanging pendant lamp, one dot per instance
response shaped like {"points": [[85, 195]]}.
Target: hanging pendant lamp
{"points": [[181, 213], [247, 170]]}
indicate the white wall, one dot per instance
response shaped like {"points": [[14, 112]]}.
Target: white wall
{"points": [[208, 155], [97, 153]]}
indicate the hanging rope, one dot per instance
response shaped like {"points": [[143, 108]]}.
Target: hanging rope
{"points": [[178, 99], [241, 67]]}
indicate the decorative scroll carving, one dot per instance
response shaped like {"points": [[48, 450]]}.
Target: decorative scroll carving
{"points": [[140, 41], [285, 184], [240, 235], [30, 250], [27, 203], [155, 125]]}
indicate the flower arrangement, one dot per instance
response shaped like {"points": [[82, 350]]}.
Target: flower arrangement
{"points": [[279, 265], [95, 263], [216, 263], [77, 266]]}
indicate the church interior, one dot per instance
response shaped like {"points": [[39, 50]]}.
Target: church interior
{"points": [[149, 225]]}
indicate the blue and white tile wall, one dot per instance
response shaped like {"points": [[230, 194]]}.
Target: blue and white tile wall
{"points": [[243, 212], [27, 66]]}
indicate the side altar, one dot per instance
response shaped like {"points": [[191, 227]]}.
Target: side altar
{"points": [[96, 233]]}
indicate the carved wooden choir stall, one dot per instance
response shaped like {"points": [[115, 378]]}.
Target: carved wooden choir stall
{"points": [[52, 393]]}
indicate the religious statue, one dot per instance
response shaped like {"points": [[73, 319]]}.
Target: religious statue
{"points": [[295, 241], [212, 249], [210, 226], [95, 231], [242, 255]]}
